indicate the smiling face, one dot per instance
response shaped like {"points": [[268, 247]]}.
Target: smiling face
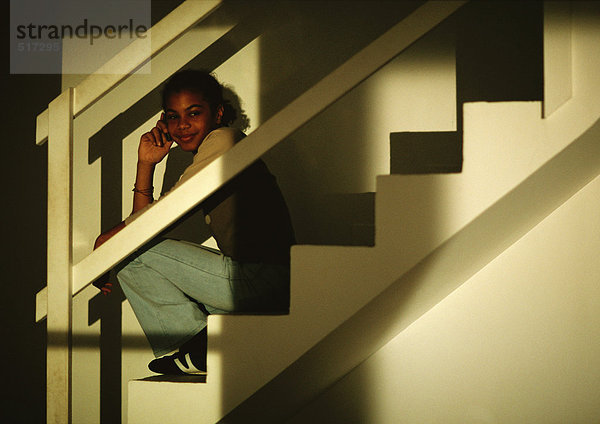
{"points": [[190, 118]]}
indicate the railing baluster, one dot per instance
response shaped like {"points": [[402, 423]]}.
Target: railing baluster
{"points": [[60, 179]]}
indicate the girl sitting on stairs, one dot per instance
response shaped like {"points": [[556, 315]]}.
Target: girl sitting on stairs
{"points": [[173, 285]]}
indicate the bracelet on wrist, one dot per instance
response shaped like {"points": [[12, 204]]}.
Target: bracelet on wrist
{"points": [[148, 192]]}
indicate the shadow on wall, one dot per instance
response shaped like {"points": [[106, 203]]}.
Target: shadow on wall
{"points": [[24, 262]]}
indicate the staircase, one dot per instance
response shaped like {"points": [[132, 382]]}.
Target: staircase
{"points": [[354, 308], [348, 302]]}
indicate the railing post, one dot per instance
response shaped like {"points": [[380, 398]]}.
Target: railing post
{"points": [[60, 178]]}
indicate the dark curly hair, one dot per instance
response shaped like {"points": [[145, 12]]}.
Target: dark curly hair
{"points": [[204, 83]]}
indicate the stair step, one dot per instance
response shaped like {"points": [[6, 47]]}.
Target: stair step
{"points": [[166, 400], [422, 211]]}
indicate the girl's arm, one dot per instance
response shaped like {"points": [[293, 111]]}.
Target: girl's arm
{"points": [[102, 238], [153, 147]]}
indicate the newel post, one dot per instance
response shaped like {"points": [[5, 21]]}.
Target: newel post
{"points": [[60, 186]]}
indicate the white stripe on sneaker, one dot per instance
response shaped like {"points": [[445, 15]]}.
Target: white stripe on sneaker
{"points": [[191, 369]]}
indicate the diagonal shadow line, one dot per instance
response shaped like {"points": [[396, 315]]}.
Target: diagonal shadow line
{"points": [[131, 342], [426, 284]]}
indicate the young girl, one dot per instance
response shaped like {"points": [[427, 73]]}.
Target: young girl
{"points": [[173, 285]]}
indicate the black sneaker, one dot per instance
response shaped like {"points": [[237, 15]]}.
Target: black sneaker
{"points": [[179, 363], [190, 360]]}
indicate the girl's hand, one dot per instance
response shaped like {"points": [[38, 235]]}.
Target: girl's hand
{"points": [[103, 284], [106, 289], [154, 145]]}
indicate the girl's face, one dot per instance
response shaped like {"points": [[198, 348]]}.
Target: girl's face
{"points": [[190, 119]]}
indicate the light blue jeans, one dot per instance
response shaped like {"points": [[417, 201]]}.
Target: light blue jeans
{"points": [[173, 285]]}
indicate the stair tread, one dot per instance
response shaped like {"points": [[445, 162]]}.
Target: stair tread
{"points": [[172, 379]]}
